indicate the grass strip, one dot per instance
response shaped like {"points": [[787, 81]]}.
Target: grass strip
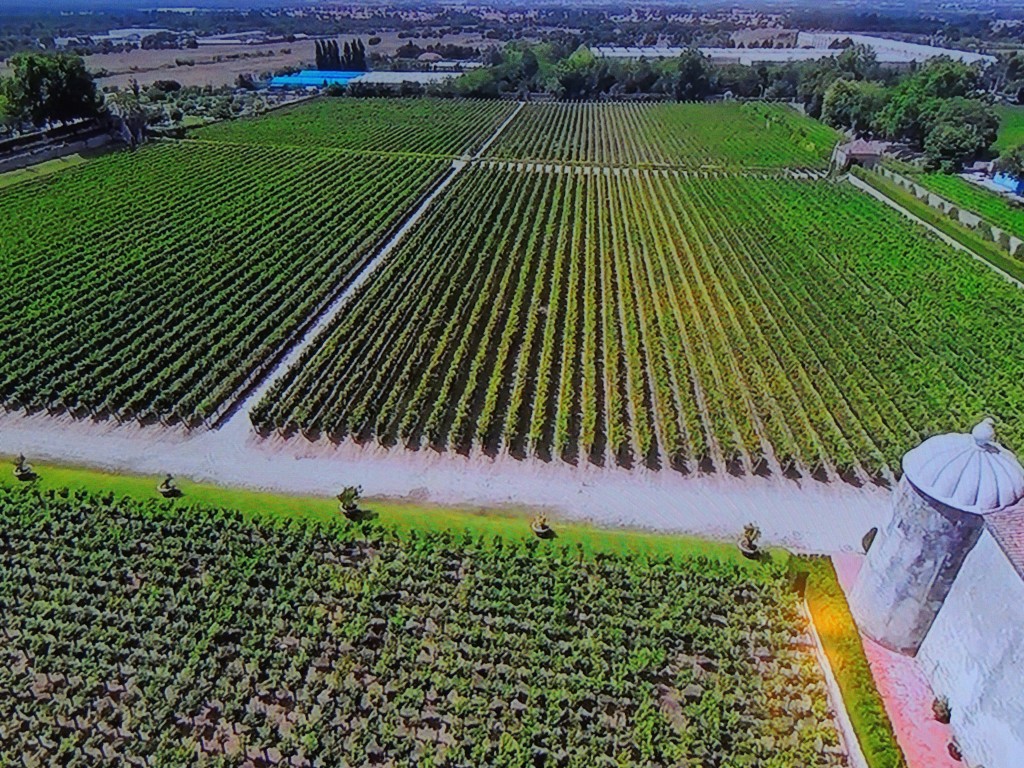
{"points": [[988, 251], [400, 517], [841, 641], [45, 168]]}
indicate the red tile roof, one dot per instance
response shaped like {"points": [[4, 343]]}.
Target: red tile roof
{"points": [[1007, 528], [864, 147]]}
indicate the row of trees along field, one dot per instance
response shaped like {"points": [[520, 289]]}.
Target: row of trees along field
{"points": [[351, 57]]}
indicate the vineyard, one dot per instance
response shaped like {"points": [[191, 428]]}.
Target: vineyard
{"points": [[155, 284], [421, 126], [684, 135], [992, 207], [157, 634], [693, 320]]}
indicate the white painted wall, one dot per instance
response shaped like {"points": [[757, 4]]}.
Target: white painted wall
{"points": [[974, 655]]}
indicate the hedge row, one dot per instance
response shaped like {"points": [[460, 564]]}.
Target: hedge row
{"points": [[842, 644]]}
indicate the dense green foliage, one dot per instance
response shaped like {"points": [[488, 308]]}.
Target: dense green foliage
{"points": [[966, 236], [684, 135], [154, 283], [351, 57], [186, 635], [1011, 161], [841, 642], [573, 74], [422, 126], [45, 88], [853, 104], [665, 317], [936, 109]]}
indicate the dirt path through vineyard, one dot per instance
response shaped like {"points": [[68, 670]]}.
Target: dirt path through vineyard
{"points": [[806, 515]]}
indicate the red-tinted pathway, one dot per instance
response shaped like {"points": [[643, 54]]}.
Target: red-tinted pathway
{"points": [[908, 697]]}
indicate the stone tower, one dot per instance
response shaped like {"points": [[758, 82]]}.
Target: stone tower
{"points": [[950, 482]]}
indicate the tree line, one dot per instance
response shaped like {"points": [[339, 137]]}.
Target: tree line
{"points": [[350, 57], [43, 89], [942, 108]]}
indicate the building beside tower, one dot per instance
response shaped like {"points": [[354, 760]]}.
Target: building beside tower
{"points": [[945, 582]]}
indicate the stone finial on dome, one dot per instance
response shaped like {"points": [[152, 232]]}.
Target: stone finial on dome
{"points": [[985, 432], [972, 473]]}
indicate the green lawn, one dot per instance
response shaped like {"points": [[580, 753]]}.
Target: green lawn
{"points": [[1011, 127], [45, 168], [841, 643], [398, 516]]}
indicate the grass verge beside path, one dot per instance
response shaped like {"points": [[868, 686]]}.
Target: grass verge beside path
{"points": [[988, 251], [841, 641], [994, 208], [9, 178], [398, 516]]}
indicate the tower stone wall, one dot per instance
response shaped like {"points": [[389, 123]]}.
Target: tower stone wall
{"points": [[911, 567]]}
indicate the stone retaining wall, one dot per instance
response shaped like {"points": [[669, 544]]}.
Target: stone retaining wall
{"points": [[1010, 243], [53, 152]]}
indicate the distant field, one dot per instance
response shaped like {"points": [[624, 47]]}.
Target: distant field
{"points": [[214, 65], [994, 208], [221, 64], [1011, 127], [688, 135], [659, 318], [154, 283], [422, 126]]}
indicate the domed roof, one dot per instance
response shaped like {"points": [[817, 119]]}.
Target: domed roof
{"points": [[969, 472]]}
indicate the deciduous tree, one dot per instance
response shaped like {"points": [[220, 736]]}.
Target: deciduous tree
{"points": [[49, 88]]}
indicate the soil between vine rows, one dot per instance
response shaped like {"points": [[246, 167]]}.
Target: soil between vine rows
{"points": [[674, 320]]}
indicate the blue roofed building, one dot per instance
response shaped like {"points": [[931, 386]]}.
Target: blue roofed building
{"points": [[1011, 183], [314, 78]]}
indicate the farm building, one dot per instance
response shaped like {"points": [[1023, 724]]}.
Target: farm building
{"points": [[866, 154], [945, 583], [314, 78]]}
